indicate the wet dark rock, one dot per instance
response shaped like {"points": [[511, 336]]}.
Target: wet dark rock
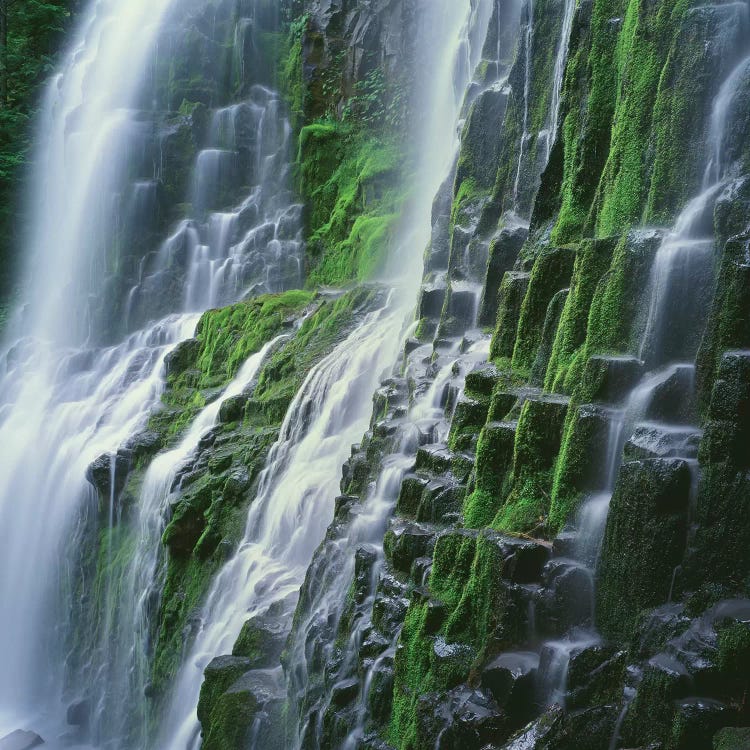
{"points": [[469, 417], [220, 462], [461, 718], [651, 712], [510, 678], [539, 731], [182, 357], [567, 597], [79, 713], [583, 464], [219, 675], [261, 641], [644, 541], [21, 740], [595, 676], [436, 458], [656, 627], [673, 400], [722, 541], [345, 692], [697, 720], [523, 559], [659, 441], [610, 379], [565, 543], [100, 475], [236, 484], [143, 444], [380, 697], [232, 409], [365, 559], [405, 542]]}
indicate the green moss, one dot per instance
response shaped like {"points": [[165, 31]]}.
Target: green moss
{"points": [[512, 292], [582, 454], [351, 183], [537, 444], [288, 367], [226, 339], [644, 542], [642, 52], [591, 94], [208, 519], [729, 321], [617, 314], [551, 273], [494, 463], [592, 261]]}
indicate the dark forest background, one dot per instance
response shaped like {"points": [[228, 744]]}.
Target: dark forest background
{"points": [[31, 36]]}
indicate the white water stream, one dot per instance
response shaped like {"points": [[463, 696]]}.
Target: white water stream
{"points": [[66, 400]]}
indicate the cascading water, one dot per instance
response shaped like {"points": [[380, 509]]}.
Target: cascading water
{"points": [[120, 671], [268, 568], [294, 505], [68, 404], [557, 82], [678, 302], [354, 547]]}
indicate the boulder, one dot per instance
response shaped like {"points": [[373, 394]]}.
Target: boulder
{"points": [[262, 640], [21, 740], [510, 678]]}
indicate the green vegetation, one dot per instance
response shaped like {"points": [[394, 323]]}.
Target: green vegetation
{"points": [[208, 518], [31, 33], [350, 180]]}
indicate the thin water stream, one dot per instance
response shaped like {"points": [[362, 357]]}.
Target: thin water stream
{"points": [[681, 280]]}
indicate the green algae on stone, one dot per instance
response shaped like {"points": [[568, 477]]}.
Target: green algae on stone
{"points": [[537, 444], [351, 182], [644, 541]]}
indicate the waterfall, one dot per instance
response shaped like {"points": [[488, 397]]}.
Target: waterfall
{"points": [[82, 365], [559, 74], [458, 30], [294, 505], [122, 672], [677, 302]]}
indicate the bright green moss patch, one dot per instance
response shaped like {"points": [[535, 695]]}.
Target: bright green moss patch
{"points": [[493, 466], [350, 181], [642, 51], [590, 94], [551, 273], [225, 339], [537, 444], [288, 367], [592, 261], [230, 335]]}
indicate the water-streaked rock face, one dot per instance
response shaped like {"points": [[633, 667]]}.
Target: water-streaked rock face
{"points": [[382, 381]]}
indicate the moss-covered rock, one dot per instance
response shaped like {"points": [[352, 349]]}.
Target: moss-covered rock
{"points": [[723, 534], [510, 302], [592, 261], [644, 541], [538, 439], [552, 272]]}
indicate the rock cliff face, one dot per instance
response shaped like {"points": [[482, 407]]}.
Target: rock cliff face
{"points": [[543, 539], [596, 224]]}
